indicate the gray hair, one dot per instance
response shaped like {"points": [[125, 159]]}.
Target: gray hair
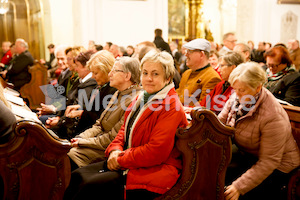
{"points": [[233, 58], [60, 48], [22, 42], [131, 65], [250, 73], [164, 58]]}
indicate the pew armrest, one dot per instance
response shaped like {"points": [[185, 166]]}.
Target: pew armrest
{"points": [[34, 163], [206, 152]]}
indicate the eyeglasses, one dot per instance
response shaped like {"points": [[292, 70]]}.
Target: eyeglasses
{"points": [[232, 41], [223, 65], [113, 71], [188, 51], [273, 65]]}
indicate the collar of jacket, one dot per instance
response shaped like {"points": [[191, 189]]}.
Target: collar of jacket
{"points": [[257, 104], [144, 113]]}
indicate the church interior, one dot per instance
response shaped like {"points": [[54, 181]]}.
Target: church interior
{"points": [[150, 99]]}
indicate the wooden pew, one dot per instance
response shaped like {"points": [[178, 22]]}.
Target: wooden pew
{"points": [[34, 164], [31, 90], [294, 182], [206, 150]]}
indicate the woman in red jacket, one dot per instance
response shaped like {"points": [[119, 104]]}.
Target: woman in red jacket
{"points": [[143, 151], [216, 99]]}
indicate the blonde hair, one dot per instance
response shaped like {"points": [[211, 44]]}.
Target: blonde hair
{"points": [[164, 58], [103, 60], [2, 98], [250, 73]]}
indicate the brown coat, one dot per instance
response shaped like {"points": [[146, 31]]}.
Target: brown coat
{"points": [[95, 140], [205, 80]]}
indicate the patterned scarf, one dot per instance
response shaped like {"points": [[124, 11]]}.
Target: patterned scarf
{"points": [[240, 110], [274, 78]]}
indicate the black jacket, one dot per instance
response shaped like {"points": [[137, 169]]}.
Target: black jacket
{"points": [[89, 116], [288, 89], [8, 123], [18, 73], [161, 44]]}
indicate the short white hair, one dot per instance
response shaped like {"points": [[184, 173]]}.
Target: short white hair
{"points": [[164, 58], [250, 73], [22, 42]]}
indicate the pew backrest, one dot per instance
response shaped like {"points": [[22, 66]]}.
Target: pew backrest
{"points": [[206, 152], [294, 182], [32, 90], [34, 163]]}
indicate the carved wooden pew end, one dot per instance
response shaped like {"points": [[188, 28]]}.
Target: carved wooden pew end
{"points": [[206, 153], [34, 163]]}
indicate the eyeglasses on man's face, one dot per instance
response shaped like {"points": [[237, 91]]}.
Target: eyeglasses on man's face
{"points": [[188, 51]]}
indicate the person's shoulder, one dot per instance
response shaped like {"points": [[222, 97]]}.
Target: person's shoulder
{"points": [[210, 72], [270, 106]]}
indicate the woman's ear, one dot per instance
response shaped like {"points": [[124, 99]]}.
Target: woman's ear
{"points": [[258, 88], [168, 80], [128, 76]]}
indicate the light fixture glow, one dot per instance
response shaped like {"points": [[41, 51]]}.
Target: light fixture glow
{"points": [[4, 6]]}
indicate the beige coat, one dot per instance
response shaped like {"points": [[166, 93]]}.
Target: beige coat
{"points": [[95, 140]]}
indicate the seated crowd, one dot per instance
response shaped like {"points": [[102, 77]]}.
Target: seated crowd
{"points": [[122, 107]]}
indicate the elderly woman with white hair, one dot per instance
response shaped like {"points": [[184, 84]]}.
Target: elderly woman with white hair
{"points": [[144, 148], [267, 151]]}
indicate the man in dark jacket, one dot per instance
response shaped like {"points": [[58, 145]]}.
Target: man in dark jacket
{"points": [[160, 43], [17, 73]]}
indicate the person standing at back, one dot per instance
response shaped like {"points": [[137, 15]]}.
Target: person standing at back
{"points": [[159, 41]]}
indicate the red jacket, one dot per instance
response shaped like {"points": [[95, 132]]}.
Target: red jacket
{"points": [[151, 159], [215, 101], [6, 57]]}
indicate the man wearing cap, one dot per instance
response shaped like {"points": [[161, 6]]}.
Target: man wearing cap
{"points": [[197, 81]]}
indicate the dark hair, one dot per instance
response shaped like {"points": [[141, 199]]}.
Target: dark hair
{"points": [[158, 32], [50, 46], [130, 46], [109, 44], [68, 50], [99, 47], [83, 57], [280, 45], [279, 53]]}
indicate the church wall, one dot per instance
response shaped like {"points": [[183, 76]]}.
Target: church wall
{"points": [[128, 22], [122, 22], [261, 20], [62, 22]]}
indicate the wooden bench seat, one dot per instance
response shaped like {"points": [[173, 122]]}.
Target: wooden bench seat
{"points": [[206, 150], [294, 183], [34, 164]]}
